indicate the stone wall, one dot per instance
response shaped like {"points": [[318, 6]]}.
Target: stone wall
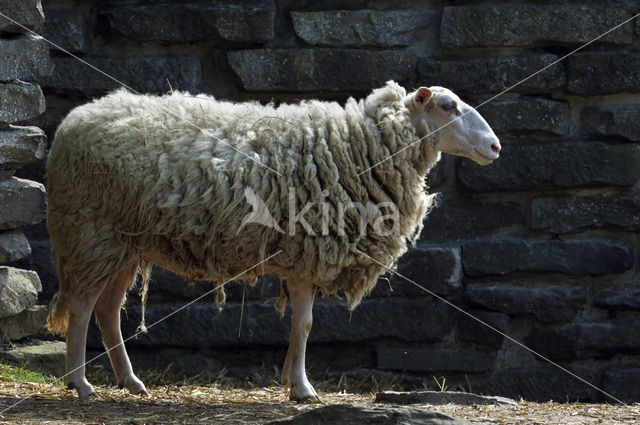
{"points": [[542, 245], [24, 58]]}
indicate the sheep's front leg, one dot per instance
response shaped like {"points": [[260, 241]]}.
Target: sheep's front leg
{"points": [[108, 315], [293, 371], [79, 315]]}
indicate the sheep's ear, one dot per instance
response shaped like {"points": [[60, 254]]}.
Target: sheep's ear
{"points": [[422, 96]]}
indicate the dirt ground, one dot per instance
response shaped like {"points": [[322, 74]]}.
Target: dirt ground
{"points": [[30, 403]]}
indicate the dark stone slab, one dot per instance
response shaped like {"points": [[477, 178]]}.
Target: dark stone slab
{"points": [[572, 213], [585, 340], [458, 217], [527, 24], [471, 330], [359, 28], [208, 326], [27, 200], [540, 384], [581, 257], [145, 74], [527, 115], [25, 58], [554, 166], [493, 73], [619, 298], [28, 13], [20, 101], [348, 414], [622, 383], [238, 21], [546, 303], [440, 397], [592, 73], [406, 320], [164, 283], [419, 359], [300, 70], [67, 27], [612, 120], [436, 269], [20, 146]]}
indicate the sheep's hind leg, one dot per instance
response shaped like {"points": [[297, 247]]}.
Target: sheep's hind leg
{"points": [[293, 371], [107, 311], [79, 315]]}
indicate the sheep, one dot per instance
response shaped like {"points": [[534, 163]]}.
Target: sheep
{"points": [[175, 181]]}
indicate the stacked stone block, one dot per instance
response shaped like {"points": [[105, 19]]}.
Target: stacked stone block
{"points": [[25, 58], [542, 245]]}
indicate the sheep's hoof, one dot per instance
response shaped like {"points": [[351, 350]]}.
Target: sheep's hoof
{"points": [[310, 399], [133, 385], [84, 390]]}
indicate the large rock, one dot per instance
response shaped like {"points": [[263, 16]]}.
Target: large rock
{"points": [[421, 359], [20, 101], [27, 199], [549, 303], [348, 414], [592, 73], [526, 24], [527, 114], [18, 290], [20, 146], [574, 213], [574, 257], [25, 57], [46, 357], [301, 70], [13, 246], [585, 340], [436, 269], [240, 21], [28, 323], [27, 13], [67, 27], [494, 73], [204, 326], [145, 74], [612, 120], [359, 28], [554, 166]]}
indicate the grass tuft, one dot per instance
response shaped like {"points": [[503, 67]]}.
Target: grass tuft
{"points": [[23, 373]]}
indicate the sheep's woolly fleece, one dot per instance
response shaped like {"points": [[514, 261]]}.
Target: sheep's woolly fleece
{"points": [[128, 181]]}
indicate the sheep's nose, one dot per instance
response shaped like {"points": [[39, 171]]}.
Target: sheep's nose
{"points": [[495, 147]]}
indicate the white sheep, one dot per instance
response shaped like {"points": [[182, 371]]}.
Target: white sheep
{"points": [[175, 180]]}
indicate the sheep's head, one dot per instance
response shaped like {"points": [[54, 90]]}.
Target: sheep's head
{"points": [[462, 130]]}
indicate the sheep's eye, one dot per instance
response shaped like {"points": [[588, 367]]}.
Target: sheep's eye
{"points": [[449, 106]]}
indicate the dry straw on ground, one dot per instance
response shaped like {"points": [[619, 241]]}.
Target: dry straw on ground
{"points": [[193, 404]]}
